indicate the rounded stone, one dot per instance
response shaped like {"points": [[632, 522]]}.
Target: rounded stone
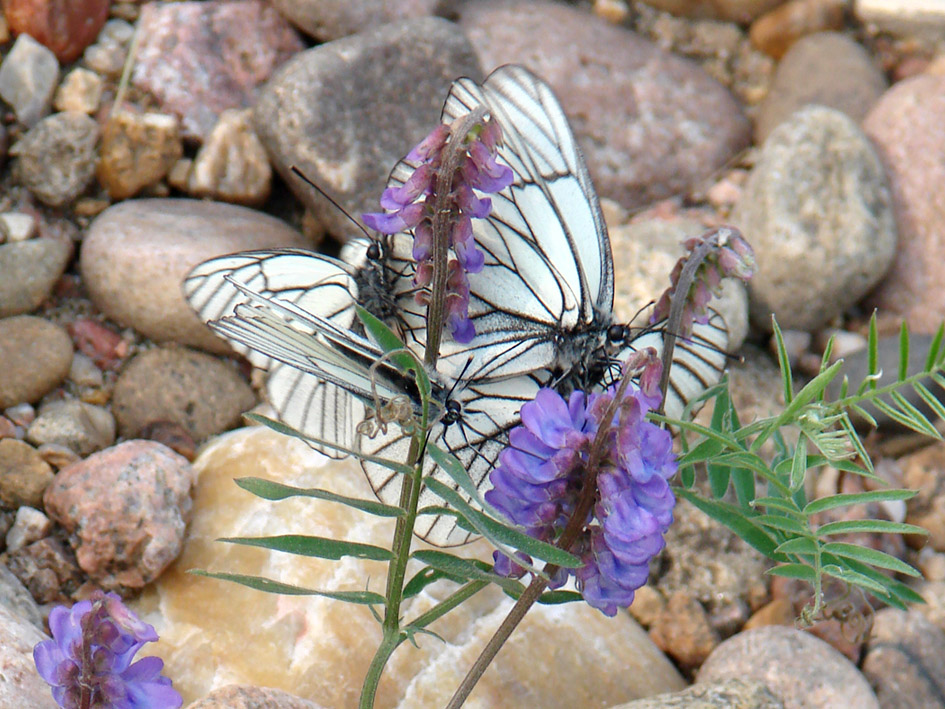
{"points": [[818, 213], [651, 124], [905, 658], [177, 385], [36, 355], [136, 254], [906, 127], [24, 475], [808, 74], [802, 670], [82, 427], [28, 271]]}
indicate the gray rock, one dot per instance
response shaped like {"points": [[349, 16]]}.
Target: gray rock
{"points": [[798, 668], [727, 694], [48, 569], [20, 684], [36, 355], [651, 124], [136, 254], [197, 391], [345, 112], [808, 74], [905, 660], [56, 158], [28, 78], [24, 475], [126, 508], [110, 51], [28, 272], [15, 598], [82, 427], [818, 213], [326, 20], [31, 525]]}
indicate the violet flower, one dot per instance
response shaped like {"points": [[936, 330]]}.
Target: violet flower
{"points": [[541, 476], [88, 661], [723, 253], [411, 207]]}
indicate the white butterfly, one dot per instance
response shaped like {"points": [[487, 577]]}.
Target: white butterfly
{"points": [[542, 305]]}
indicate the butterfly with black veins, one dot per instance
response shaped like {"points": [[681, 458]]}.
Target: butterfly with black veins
{"points": [[542, 305]]}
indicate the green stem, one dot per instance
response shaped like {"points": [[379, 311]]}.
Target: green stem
{"points": [[445, 606]]}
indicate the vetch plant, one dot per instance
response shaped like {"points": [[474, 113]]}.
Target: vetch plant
{"points": [[549, 440]]}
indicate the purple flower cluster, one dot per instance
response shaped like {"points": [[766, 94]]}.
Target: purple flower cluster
{"points": [[414, 205], [725, 254], [542, 475], [88, 661]]}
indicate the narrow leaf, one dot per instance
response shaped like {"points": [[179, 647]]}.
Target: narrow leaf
{"points": [[554, 598], [931, 361], [798, 545], [706, 449], [784, 362], [321, 547], [785, 524], [269, 490], [269, 586], [923, 425], [872, 349], [743, 481], [462, 568], [857, 498], [799, 464], [733, 518], [869, 556], [794, 571], [903, 351], [930, 400], [779, 503], [880, 526], [452, 467]]}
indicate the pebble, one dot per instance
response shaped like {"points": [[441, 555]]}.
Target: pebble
{"points": [[15, 598], [138, 149], [28, 272], [135, 255], [819, 216], [777, 30], [8, 429], [683, 631], [797, 667], [21, 685], [66, 28], [906, 126], [105, 348], [126, 508], [905, 660], [329, 110], [80, 91], [24, 475], [28, 78], [596, 661], [240, 696], [48, 569], [614, 11], [81, 427], [325, 20], [924, 471], [727, 694], [83, 372], [172, 435], [56, 158], [21, 414], [201, 393], [909, 18], [110, 51], [200, 58], [30, 525], [232, 164], [16, 226], [802, 78], [36, 355], [651, 124], [742, 11]]}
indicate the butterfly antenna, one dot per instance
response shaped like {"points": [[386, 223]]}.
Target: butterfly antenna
{"points": [[334, 203]]}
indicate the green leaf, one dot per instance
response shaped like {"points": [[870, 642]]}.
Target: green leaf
{"points": [[269, 586], [903, 351], [785, 504], [869, 556], [687, 476], [733, 518], [459, 475], [814, 389], [784, 362], [785, 524], [463, 568], [743, 481], [922, 424], [282, 428], [930, 400], [497, 533], [799, 464], [706, 449], [321, 547], [857, 498], [852, 436], [879, 526], [798, 545], [269, 490], [854, 577], [718, 479], [553, 598], [872, 349], [932, 360], [794, 571], [423, 578]]}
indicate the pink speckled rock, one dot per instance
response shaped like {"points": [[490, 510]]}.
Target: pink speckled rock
{"points": [[126, 509], [906, 126], [199, 58]]}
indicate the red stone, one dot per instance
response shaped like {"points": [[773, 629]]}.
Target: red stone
{"points": [[67, 27], [105, 347]]}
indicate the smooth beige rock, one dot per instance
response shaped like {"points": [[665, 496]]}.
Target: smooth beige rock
{"points": [[728, 694], [20, 685], [215, 633], [138, 149]]}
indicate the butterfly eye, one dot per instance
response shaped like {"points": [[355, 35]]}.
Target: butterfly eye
{"points": [[454, 412], [374, 251], [616, 334]]}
